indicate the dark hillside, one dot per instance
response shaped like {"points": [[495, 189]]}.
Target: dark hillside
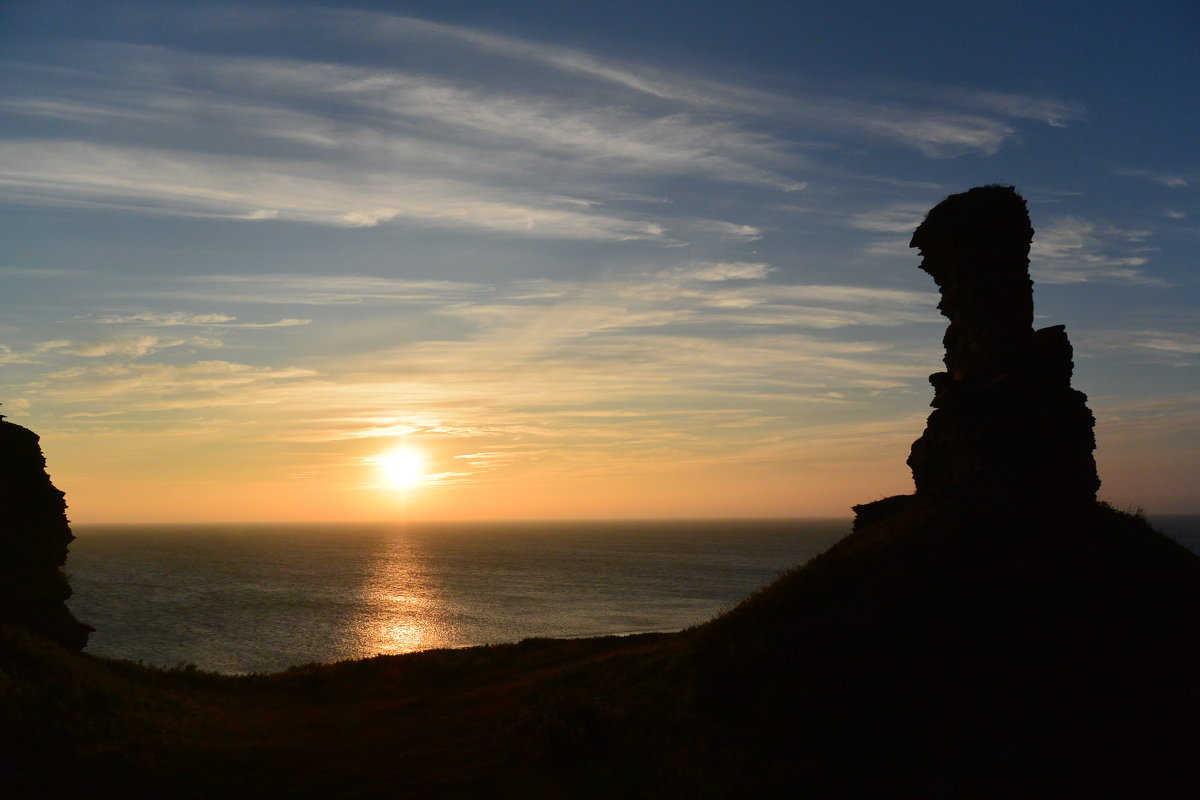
{"points": [[960, 653], [995, 634]]}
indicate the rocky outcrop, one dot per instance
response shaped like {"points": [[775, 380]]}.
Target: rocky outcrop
{"points": [[1007, 428], [998, 633], [34, 535]]}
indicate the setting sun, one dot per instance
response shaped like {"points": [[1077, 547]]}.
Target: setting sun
{"points": [[402, 468]]}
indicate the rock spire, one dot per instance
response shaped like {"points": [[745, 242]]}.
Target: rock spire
{"points": [[1007, 427]]}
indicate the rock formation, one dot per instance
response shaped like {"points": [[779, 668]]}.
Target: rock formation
{"points": [[998, 633], [1007, 428], [34, 535]]}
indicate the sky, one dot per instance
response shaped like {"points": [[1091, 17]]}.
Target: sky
{"points": [[569, 260]]}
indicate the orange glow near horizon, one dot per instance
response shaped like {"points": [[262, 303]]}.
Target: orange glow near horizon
{"points": [[459, 480]]}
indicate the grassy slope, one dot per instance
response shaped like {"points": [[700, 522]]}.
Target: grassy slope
{"points": [[931, 655], [968, 652], [519, 720]]}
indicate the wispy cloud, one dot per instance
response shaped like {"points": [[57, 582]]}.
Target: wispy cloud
{"points": [[709, 293], [1171, 179], [165, 319], [133, 346], [1075, 250], [937, 134], [121, 346], [622, 136], [9, 356], [639, 78], [599, 365], [249, 188], [721, 271], [892, 228], [304, 290], [157, 386], [486, 149], [901, 219], [1050, 110], [171, 319], [1171, 348], [720, 230], [400, 146], [1166, 342]]}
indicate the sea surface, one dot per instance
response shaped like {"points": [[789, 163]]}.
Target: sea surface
{"points": [[261, 598], [256, 598]]}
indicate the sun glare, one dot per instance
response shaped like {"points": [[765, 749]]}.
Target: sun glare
{"points": [[403, 468]]}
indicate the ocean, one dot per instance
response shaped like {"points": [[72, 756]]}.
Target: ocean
{"points": [[264, 597]]}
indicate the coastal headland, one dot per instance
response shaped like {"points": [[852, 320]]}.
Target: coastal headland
{"points": [[997, 633]]}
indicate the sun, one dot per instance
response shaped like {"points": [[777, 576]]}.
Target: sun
{"points": [[403, 468]]}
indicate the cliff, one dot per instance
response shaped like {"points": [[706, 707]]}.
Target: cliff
{"points": [[34, 535]]}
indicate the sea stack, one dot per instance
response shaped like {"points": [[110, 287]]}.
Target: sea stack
{"points": [[34, 535], [1007, 429]]}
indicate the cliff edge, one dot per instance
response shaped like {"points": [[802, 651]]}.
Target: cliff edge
{"points": [[34, 535]]}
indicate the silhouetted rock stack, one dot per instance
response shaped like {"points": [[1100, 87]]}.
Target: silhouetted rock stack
{"points": [[997, 634], [34, 535], [1007, 429]]}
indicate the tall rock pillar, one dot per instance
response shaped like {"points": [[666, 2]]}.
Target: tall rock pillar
{"points": [[34, 535], [1007, 426]]}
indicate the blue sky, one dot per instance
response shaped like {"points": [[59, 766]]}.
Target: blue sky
{"points": [[588, 259]]}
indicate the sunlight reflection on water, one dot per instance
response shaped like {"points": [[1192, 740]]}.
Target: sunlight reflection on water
{"points": [[400, 604], [239, 598]]}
